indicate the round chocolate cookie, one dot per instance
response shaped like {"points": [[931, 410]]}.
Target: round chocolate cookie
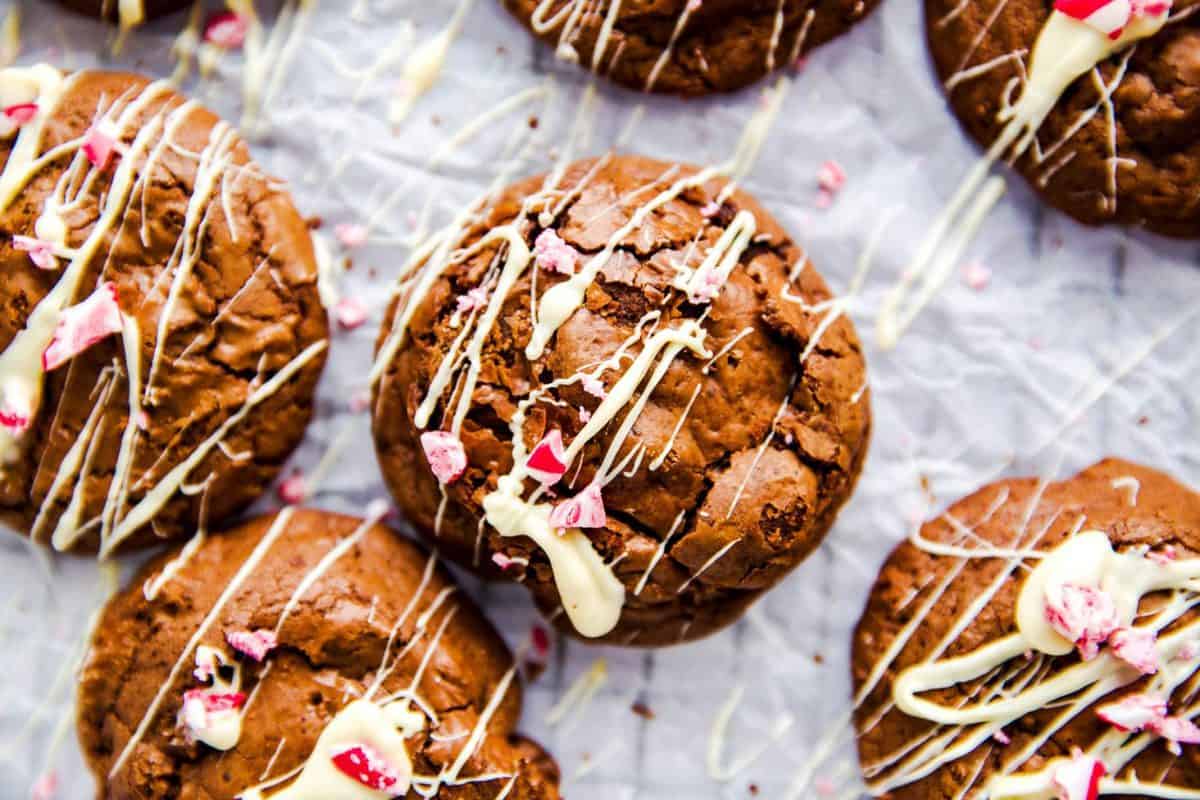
{"points": [[683, 46], [305, 656], [627, 389], [1121, 143], [1038, 640], [162, 333], [126, 12]]}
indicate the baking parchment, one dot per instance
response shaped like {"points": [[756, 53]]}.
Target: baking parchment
{"points": [[1082, 345]]}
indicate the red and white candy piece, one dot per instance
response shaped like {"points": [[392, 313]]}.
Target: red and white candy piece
{"points": [[547, 463], [351, 235], [41, 252], [830, 180], [1111, 17], [361, 763], [475, 298], [203, 709], [350, 313], [1083, 615], [252, 644], [45, 788], [15, 116], [292, 489], [551, 253], [83, 325], [1137, 647], [1134, 713], [226, 30], [594, 386], [1177, 731], [1079, 778], [584, 510], [99, 144], [445, 454]]}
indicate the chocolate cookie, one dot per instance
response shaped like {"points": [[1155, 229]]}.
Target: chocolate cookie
{"points": [[306, 655], [1120, 143], [687, 47], [162, 333], [629, 390], [127, 12], [1038, 640]]}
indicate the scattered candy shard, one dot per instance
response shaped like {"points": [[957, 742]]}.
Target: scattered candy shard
{"points": [[361, 763], [350, 313], [1137, 648], [475, 298], [1079, 778], [584, 510], [547, 462], [977, 276], [252, 644], [551, 253], [226, 30], [292, 490], [83, 325], [15, 116], [1177, 731], [41, 252], [1134, 713], [445, 454], [594, 386], [212, 717], [351, 235], [1083, 615], [99, 144]]}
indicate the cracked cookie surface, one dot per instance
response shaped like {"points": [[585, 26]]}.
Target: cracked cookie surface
{"points": [[358, 613], [732, 467], [686, 47]]}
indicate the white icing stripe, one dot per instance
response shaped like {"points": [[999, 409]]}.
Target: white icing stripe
{"points": [[277, 529]]}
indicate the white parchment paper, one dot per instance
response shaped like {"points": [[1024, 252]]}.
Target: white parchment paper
{"points": [[1082, 345]]}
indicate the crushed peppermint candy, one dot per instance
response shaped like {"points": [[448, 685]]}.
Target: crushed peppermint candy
{"points": [[83, 325], [1165, 556], [552, 254], [351, 235], [445, 454], [1083, 615], [292, 489], [547, 463], [539, 641], [99, 144], [584, 510], [830, 180], [1111, 17], [977, 276], [1079, 778], [363, 764], [252, 644], [350, 313], [710, 286], [360, 401], [226, 30], [41, 252], [1002, 738], [1134, 713], [473, 299], [594, 386], [203, 709], [710, 210], [1137, 647], [585, 416], [502, 561], [45, 787], [16, 409], [1177, 731], [206, 665], [16, 116], [825, 787]]}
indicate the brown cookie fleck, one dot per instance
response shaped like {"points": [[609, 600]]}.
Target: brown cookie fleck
{"points": [[688, 47], [382, 603], [236, 269], [758, 450], [1153, 117], [908, 610]]}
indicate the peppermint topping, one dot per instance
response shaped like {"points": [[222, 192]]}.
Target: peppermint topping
{"points": [[445, 454], [584, 510], [1134, 713], [1079, 778], [594, 386], [551, 253], [206, 665], [82, 326], [1137, 648], [45, 788], [292, 490], [203, 710], [1111, 17], [502, 561], [710, 286], [977, 275], [363, 764], [1177, 731], [475, 298], [1083, 615], [350, 313], [15, 116], [99, 144], [41, 252], [710, 210], [226, 30], [351, 235], [830, 180], [547, 463], [252, 644], [539, 640]]}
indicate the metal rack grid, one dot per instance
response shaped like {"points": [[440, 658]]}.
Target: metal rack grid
{"points": [[1080, 347]]}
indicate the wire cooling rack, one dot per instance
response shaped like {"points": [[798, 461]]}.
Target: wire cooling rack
{"points": [[1081, 345]]}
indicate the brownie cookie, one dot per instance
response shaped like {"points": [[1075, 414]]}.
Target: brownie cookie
{"points": [[1038, 640], [305, 656], [1116, 126], [687, 47], [626, 388], [162, 332], [127, 12]]}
